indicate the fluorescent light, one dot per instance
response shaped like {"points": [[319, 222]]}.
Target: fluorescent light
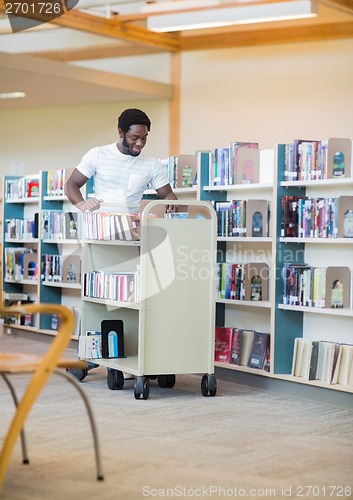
{"points": [[12, 95], [245, 14], [150, 8]]}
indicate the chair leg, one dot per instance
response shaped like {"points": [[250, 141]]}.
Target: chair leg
{"points": [[31, 393], [74, 382], [25, 458]]}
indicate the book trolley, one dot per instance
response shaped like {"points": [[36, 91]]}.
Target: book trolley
{"points": [[170, 331]]}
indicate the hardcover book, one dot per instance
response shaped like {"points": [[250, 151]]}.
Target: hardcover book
{"points": [[345, 365], [258, 350], [248, 337], [71, 226], [237, 342], [223, 343], [305, 358]]}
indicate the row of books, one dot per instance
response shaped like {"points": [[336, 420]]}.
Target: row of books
{"points": [[314, 160], [330, 362], [61, 268], [20, 264], [111, 226], [106, 343], [236, 164], [59, 225], [243, 281], [56, 181], [242, 347], [181, 170], [17, 299], [242, 218], [304, 217], [24, 187], [90, 345], [22, 229], [322, 287], [116, 286]]}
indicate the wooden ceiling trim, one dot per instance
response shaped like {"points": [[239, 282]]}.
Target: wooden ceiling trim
{"points": [[342, 5], [174, 105], [118, 30], [268, 36], [111, 28], [105, 51]]}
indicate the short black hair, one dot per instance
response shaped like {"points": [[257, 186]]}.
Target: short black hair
{"points": [[133, 116]]}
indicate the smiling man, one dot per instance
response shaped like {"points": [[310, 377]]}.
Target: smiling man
{"points": [[121, 173]]}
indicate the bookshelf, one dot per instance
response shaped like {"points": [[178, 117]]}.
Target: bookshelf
{"points": [[20, 242], [244, 249], [284, 322], [181, 172], [332, 325], [58, 246], [22, 214]]}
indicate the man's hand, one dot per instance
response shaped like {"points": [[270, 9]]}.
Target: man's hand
{"points": [[90, 205], [171, 209]]}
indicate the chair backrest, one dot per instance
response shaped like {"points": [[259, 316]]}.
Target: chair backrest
{"points": [[60, 341]]}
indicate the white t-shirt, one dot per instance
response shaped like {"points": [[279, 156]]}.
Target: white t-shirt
{"points": [[121, 179]]}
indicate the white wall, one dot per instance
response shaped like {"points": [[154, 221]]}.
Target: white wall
{"points": [[57, 137], [268, 94]]}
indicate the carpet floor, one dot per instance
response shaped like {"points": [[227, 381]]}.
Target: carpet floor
{"points": [[177, 444]]}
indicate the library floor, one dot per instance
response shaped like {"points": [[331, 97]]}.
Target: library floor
{"points": [[242, 443]]}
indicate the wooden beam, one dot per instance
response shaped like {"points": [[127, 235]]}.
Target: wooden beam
{"points": [[174, 105], [112, 28], [342, 5], [96, 52], [203, 42], [268, 36]]}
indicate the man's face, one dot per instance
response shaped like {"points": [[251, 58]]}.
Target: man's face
{"points": [[134, 140]]}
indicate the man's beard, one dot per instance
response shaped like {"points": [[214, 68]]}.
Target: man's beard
{"points": [[128, 150]]}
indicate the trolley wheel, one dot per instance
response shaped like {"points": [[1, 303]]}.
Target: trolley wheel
{"points": [[208, 385], [142, 388], [166, 381], [115, 379]]}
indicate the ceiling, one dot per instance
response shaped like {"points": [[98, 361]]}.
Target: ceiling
{"points": [[47, 62]]}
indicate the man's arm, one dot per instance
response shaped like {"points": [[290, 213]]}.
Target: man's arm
{"points": [[72, 191], [166, 193]]}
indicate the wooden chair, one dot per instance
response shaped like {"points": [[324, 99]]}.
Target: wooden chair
{"points": [[42, 368]]}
